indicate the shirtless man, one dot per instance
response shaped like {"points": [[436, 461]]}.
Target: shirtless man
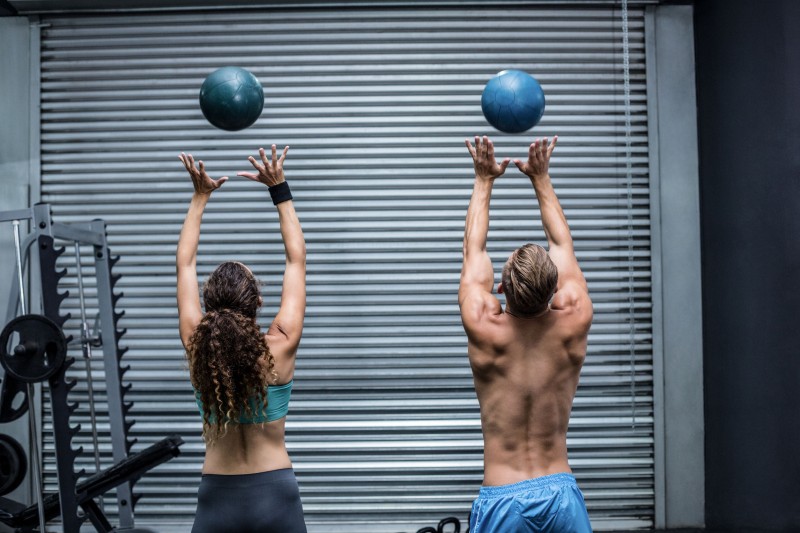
{"points": [[525, 359]]}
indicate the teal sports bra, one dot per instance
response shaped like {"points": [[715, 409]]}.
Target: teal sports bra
{"points": [[277, 405]]}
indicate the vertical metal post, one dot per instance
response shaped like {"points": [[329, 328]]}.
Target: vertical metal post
{"points": [[36, 467], [86, 345], [18, 253], [51, 299], [13, 291], [108, 332]]}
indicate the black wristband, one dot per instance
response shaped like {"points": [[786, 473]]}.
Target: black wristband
{"points": [[280, 193]]}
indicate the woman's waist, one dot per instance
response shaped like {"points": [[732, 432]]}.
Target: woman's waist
{"points": [[226, 466], [273, 478], [243, 454]]}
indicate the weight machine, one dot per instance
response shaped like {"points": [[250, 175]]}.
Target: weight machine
{"points": [[33, 349]]}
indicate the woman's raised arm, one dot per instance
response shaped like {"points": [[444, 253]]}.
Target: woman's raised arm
{"points": [[288, 323], [189, 310]]}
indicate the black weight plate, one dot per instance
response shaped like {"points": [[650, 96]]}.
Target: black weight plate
{"points": [[39, 348], [13, 464], [10, 392]]}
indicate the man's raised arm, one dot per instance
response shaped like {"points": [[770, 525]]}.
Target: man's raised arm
{"points": [[559, 239], [477, 274]]}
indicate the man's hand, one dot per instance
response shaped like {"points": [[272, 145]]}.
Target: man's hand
{"points": [[203, 184], [486, 168], [538, 164], [270, 173]]}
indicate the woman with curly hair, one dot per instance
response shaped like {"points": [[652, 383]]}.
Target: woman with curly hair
{"points": [[242, 377]]}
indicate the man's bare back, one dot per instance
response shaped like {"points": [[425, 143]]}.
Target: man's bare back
{"points": [[525, 379], [526, 359]]}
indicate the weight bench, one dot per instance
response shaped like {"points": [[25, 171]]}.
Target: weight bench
{"points": [[18, 516]]}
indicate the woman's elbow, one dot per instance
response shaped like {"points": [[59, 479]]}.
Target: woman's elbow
{"points": [[297, 253], [183, 261]]}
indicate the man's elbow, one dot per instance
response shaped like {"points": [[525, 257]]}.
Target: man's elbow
{"points": [[556, 240], [474, 245]]}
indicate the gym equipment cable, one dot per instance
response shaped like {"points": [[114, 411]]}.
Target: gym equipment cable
{"points": [[629, 186], [86, 347]]}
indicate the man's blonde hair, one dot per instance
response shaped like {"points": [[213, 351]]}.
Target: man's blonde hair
{"points": [[529, 280]]}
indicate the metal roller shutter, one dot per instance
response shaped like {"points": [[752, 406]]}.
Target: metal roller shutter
{"points": [[375, 103]]}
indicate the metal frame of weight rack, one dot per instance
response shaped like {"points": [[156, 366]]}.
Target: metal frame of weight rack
{"points": [[43, 234]]}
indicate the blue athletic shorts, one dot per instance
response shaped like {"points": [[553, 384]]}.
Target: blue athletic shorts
{"points": [[545, 504]]}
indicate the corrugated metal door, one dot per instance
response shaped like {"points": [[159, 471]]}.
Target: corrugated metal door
{"points": [[375, 104]]}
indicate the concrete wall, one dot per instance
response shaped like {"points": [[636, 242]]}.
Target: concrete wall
{"points": [[677, 310], [748, 85], [17, 166]]}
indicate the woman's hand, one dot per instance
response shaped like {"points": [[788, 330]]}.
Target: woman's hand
{"points": [[270, 173], [203, 184]]}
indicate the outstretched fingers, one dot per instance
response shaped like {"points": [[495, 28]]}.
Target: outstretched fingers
{"points": [[470, 148], [283, 155], [215, 183], [483, 155], [490, 154], [274, 161], [187, 161], [248, 175], [479, 147], [270, 169], [538, 148], [255, 164], [552, 145]]}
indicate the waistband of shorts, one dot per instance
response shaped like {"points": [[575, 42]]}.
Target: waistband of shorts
{"points": [[249, 480], [495, 491]]}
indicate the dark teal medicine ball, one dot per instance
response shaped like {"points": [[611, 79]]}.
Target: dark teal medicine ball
{"points": [[231, 98]]}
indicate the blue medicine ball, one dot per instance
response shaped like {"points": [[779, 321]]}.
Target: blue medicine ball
{"points": [[231, 98], [513, 101]]}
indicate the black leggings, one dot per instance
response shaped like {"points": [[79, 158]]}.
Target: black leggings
{"points": [[249, 503]]}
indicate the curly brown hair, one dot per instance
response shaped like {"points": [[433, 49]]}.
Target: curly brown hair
{"points": [[229, 360]]}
